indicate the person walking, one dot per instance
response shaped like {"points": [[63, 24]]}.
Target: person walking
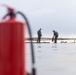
{"points": [[39, 33], [55, 36]]}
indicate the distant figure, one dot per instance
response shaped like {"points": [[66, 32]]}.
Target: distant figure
{"points": [[39, 35], [55, 36]]}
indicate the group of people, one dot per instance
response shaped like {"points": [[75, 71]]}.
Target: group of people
{"points": [[54, 38]]}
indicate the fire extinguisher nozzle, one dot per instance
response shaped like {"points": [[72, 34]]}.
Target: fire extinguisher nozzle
{"points": [[31, 44]]}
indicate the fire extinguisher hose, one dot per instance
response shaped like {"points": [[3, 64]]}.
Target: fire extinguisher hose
{"points": [[31, 44]]}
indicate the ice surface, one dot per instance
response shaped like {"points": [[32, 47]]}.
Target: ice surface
{"points": [[52, 59]]}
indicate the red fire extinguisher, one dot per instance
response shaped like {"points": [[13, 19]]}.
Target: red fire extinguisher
{"points": [[12, 45], [52, 39]]}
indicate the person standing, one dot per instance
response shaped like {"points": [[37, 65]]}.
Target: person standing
{"points": [[55, 36], [39, 33]]}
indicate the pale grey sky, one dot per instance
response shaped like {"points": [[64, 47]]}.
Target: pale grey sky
{"points": [[59, 15]]}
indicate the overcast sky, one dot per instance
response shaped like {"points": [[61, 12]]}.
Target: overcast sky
{"points": [[59, 15]]}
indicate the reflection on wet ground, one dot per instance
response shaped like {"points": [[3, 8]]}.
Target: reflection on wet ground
{"points": [[53, 59]]}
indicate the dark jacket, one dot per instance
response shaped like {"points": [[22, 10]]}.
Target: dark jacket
{"points": [[39, 33], [56, 34]]}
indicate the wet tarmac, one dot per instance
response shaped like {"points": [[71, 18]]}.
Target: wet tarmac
{"points": [[52, 59]]}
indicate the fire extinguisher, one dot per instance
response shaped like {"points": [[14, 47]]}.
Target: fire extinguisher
{"points": [[11, 31], [52, 39]]}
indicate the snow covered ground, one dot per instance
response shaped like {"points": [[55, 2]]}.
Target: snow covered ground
{"points": [[53, 59]]}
